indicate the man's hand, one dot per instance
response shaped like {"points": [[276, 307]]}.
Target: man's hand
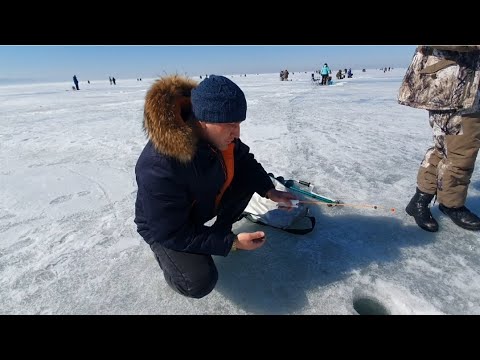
{"points": [[250, 241], [281, 197]]}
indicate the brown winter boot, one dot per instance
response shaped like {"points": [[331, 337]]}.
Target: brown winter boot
{"points": [[418, 208]]}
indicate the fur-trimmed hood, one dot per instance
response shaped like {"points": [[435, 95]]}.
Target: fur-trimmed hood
{"points": [[167, 117]]}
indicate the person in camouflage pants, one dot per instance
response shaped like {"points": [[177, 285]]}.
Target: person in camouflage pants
{"points": [[445, 81]]}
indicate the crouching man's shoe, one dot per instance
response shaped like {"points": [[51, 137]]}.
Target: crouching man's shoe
{"points": [[418, 208], [462, 217]]}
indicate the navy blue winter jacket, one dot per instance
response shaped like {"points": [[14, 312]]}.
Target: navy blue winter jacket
{"points": [[179, 175]]}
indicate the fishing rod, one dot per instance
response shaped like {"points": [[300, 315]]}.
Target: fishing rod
{"points": [[317, 202], [320, 199], [367, 206]]}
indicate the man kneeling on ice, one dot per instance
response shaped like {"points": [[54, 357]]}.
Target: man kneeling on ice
{"points": [[193, 168]]}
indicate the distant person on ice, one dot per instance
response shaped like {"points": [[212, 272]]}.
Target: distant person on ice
{"points": [[325, 72], [193, 168], [445, 81], [75, 81]]}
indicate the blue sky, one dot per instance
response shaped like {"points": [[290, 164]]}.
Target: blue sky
{"points": [[60, 63]]}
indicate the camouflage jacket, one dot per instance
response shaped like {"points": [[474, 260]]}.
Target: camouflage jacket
{"points": [[443, 78]]}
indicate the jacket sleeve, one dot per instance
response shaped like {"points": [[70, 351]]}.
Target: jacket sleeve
{"points": [[250, 170], [167, 211]]}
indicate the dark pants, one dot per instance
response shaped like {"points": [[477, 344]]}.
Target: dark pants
{"points": [[195, 275]]}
